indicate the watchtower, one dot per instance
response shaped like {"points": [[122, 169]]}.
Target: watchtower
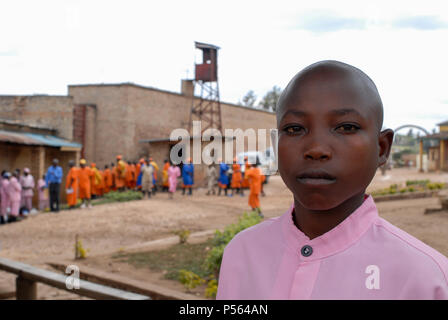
{"points": [[208, 108]]}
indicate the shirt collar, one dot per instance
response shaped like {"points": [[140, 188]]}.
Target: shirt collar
{"points": [[337, 239]]}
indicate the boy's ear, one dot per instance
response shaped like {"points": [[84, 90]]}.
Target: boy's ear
{"points": [[385, 140]]}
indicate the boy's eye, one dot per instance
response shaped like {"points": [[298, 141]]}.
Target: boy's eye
{"points": [[293, 129], [347, 128]]}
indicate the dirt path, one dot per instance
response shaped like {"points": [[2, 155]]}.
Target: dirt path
{"points": [[111, 227]]}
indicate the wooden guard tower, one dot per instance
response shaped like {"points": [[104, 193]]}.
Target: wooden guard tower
{"points": [[208, 108]]}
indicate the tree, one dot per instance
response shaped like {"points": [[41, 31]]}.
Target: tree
{"points": [[269, 101], [249, 99], [410, 133]]}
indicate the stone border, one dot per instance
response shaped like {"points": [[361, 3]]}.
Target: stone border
{"points": [[154, 291], [404, 196]]}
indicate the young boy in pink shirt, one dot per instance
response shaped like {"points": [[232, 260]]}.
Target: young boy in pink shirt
{"points": [[331, 243]]}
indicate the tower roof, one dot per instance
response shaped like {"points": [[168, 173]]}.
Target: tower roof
{"points": [[201, 45]]}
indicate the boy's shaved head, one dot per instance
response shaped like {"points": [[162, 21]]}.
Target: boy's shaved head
{"points": [[329, 119], [335, 73]]}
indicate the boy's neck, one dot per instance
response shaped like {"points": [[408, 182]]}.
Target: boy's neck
{"points": [[315, 223]]}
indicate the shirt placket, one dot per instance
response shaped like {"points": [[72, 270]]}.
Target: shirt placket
{"points": [[305, 275]]}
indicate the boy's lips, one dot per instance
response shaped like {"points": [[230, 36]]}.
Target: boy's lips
{"points": [[317, 177]]}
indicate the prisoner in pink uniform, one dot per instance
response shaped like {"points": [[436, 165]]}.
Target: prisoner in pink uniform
{"points": [[27, 183], [5, 204], [42, 192], [14, 192], [173, 174], [364, 257]]}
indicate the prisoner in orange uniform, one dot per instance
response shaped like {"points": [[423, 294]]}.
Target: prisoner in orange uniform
{"points": [[237, 177], [71, 185], [120, 174], [107, 179], [96, 181], [101, 186], [134, 175], [165, 182], [245, 183], [156, 168], [84, 177], [255, 180], [113, 172], [129, 175]]}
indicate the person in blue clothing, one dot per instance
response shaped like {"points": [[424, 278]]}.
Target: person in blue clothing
{"points": [[53, 179], [223, 180], [188, 177], [140, 175]]}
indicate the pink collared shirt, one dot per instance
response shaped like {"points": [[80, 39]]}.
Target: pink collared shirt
{"points": [[364, 257], [14, 190]]}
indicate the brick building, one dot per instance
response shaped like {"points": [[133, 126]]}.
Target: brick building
{"points": [[33, 131], [136, 121], [437, 154], [125, 118]]}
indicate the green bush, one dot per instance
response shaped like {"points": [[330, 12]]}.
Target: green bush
{"points": [[432, 186], [213, 260], [411, 186], [212, 289], [190, 279], [440, 185], [183, 235], [417, 182], [221, 239], [245, 221]]}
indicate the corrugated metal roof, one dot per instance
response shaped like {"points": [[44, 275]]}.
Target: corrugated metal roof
{"points": [[36, 139], [439, 136], [175, 141], [445, 123]]}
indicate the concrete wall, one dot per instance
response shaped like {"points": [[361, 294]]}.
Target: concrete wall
{"points": [[47, 111]]}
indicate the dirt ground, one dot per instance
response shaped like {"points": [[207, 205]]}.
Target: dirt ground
{"points": [[109, 228]]}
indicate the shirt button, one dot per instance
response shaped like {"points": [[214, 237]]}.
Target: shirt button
{"points": [[306, 251]]}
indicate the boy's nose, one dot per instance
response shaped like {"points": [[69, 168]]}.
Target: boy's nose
{"points": [[317, 153]]}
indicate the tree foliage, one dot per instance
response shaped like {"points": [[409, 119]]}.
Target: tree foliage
{"points": [[249, 99], [269, 101]]}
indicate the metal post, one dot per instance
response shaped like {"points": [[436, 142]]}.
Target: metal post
{"points": [[442, 154], [25, 289], [421, 156]]}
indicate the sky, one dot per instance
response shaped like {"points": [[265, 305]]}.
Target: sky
{"points": [[401, 45]]}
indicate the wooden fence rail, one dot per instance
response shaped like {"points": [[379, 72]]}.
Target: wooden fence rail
{"points": [[28, 277]]}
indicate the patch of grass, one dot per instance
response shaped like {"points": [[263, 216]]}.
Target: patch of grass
{"points": [[178, 257], [113, 196], [116, 196]]}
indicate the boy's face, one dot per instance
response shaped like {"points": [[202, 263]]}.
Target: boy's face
{"points": [[329, 141]]}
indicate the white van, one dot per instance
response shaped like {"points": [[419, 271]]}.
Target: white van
{"points": [[266, 159]]}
